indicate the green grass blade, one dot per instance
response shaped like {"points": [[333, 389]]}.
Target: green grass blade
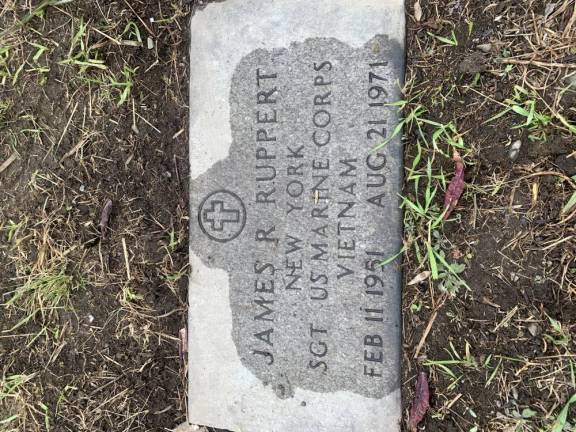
{"points": [[393, 258], [395, 133], [497, 116], [562, 418], [432, 261], [570, 204]]}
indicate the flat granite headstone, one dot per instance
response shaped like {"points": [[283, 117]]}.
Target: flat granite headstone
{"points": [[294, 322]]}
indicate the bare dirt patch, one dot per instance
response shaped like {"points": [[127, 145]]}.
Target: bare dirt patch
{"points": [[93, 110]]}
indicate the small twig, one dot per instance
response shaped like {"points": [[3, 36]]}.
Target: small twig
{"points": [[134, 125], [8, 162], [506, 319], [558, 242], [149, 124], [538, 63], [177, 134], [126, 260], [425, 335], [176, 170], [474, 212], [550, 173], [428, 328], [452, 402], [77, 147], [115, 41], [487, 97], [67, 125], [182, 343], [64, 131], [566, 219]]}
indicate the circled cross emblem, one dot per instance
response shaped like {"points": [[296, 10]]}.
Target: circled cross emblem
{"points": [[222, 216]]}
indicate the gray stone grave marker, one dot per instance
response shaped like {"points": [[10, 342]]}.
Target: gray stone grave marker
{"points": [[294, 323]]}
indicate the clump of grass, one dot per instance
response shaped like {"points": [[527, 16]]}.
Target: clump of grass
{"points": [[45, 291], [131, 35], [561, 421], [81, 53], [92, 68], [51, 289], [42, 70], [171, 242], [423, 212], [448, 367], [520, 420], [12, 230], [14, 47], [45, 284], [37, 11], [40, 10], [524, 103], [124, 84], [451, 40], [559, 335], [129, 297], [13, 408], [170, 273]]}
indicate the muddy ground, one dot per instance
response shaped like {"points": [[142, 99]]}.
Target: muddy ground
{"points": [[93, 107]]}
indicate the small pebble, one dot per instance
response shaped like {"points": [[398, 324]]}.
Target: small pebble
{"points": [[487, 47], [533, 329], [514, 393], [514, 150], [550, 7]]}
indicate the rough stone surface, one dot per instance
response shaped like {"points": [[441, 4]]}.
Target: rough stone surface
{"points": [[294, 323]]}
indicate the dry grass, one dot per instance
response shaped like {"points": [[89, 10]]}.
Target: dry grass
{"points": [[502, 355], [90, 320]]}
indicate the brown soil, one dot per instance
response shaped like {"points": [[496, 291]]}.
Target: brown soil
{"points": [[114, 366], [500, 237]]}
